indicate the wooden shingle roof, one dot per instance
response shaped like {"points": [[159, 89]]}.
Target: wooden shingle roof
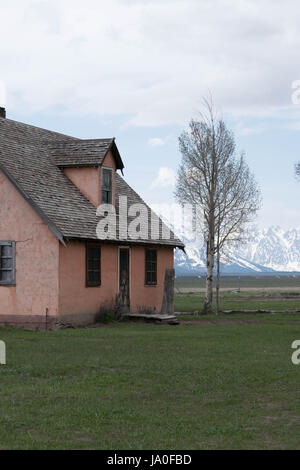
{"points": [[83, 152], [32, 159]]}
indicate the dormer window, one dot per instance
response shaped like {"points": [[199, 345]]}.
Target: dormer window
{"points": [[107, 186]]}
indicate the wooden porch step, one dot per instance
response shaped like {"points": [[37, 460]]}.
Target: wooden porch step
{"points": [[153, 317]]}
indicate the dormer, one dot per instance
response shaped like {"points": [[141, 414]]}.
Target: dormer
{"points": [[91, 165]]}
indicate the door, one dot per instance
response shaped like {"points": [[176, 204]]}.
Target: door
{"points": [[124, 279]]}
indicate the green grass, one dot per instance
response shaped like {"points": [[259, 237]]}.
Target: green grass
{"points": [[260, 281], [143, 386], [255, 301]]}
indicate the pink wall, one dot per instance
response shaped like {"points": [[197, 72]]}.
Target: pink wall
{"points": [[75, 297], [87, 180], [149, 296], [37, 257]]}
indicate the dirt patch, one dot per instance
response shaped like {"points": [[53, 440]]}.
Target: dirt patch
{"points": [[266, 298], [200, 321], [84, 439], [271, 405], [79, 437], [196, 322], [187, 290], [101, 325]]}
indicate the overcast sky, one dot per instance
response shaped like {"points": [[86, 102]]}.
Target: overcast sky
{"points": [[137, 70]]}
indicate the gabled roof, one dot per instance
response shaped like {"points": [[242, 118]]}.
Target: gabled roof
{"points": [[32, 158], [84, 152]]}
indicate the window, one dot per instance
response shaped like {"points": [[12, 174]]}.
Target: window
{"points": [[7, 263], [93, 265], [151, 267], [106, 186]]}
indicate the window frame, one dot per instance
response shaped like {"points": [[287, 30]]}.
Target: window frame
{"points": [[147, 282], [111, 170], [89, 283], [12, 281]]}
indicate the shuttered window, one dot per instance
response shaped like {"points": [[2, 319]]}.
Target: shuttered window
{"points": [[93, 265], [151, 267], [7, 263], [106, 186]]}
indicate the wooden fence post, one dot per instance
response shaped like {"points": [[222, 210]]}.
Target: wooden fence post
{"points": [[168, 299]]}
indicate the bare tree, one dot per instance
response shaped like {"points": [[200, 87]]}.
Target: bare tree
{"points": [[212, 177], [237, 203]]}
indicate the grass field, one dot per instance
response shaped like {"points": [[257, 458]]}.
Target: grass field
{"points": [[257, 300], [259, 282], [280, 292], [205, 384]]}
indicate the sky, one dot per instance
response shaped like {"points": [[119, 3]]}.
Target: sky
{"points": [[137, 70]]}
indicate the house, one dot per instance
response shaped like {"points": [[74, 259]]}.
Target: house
{"points": [[53, 265]]}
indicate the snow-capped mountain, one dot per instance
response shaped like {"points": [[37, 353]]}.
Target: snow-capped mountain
{"points": [[271, 249]]}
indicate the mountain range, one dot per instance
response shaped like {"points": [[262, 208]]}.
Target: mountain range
{"points": [[267, 250]]}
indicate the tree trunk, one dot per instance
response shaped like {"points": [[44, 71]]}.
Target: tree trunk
{"points": [[218, 275], [207, 308]]}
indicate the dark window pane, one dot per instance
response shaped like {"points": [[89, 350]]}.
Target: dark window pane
{"points": [[106, 179], [90, 264], [106, 186], [106, 197], [151, 267], [94, 253], [6, 250], [6, 276], [6, 263], [93, 274]]}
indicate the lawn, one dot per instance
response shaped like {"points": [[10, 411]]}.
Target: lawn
{"points": [[205, 384]]}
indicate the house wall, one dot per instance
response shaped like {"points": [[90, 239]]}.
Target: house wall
{"points": [[37, 260], [79, 304], [148, 296], [51, 277], [88, 179]]}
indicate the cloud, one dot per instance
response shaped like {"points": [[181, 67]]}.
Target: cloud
{"points": [[244, 131], [139, 60], [166, 177], [156, 142], [2, 94]]}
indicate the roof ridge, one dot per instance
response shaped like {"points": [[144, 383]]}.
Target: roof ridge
{"points": [[42, 129], [79, 141]]}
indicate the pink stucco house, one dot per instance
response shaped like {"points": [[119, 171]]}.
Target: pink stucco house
{"points": [[52, 263]]}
